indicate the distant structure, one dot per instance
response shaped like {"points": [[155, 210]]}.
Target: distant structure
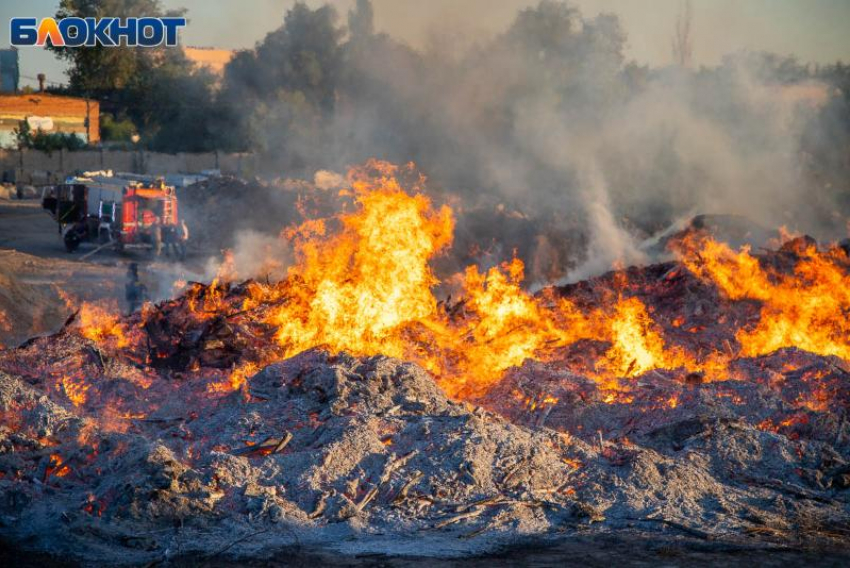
{"points": [[210, 58], [9, 70], [683, 45], [50, 113]]}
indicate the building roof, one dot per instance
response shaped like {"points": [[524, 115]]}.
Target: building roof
{"points": [[67, 114], [55, 105], [212, 58]]}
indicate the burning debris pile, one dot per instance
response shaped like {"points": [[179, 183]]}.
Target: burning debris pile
{"points": [[346, 407]]}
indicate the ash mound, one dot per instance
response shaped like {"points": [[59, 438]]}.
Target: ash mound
{"points": [[367, 454], [325, 448]]}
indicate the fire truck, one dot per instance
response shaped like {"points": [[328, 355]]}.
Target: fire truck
{"points": [[126, 212]]}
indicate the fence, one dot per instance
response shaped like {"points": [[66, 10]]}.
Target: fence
{"points": [[38, 168]]}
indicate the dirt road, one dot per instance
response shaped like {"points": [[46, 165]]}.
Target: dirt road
{"points": [[41, 284]]}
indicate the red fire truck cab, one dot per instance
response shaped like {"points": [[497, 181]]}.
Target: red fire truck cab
{"points": [[143, 210]]}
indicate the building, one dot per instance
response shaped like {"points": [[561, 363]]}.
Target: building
{"points": [[9, 70], [50, 113], [209, 58]]}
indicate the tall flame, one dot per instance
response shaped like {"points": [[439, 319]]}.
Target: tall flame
{"points": [[366, 288], [637, 345], [101, 324], [353, 290]]}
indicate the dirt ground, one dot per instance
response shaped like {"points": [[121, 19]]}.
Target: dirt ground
{"points": [[574, 552], [40, 283]]}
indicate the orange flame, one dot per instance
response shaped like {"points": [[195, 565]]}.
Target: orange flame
{"points": [[237, 378], [356, 289], [56, 467], [362, 283], [101, 325], [806, 309], [75, 390]]}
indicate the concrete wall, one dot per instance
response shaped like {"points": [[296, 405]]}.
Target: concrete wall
{"points": [[39, 168]]}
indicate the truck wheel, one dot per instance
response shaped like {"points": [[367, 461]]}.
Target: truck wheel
{"points": [[72, 242]]}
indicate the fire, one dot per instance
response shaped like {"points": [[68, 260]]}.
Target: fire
{"points": [[637, 345], [505, 326], [56, 467], [806, 309], [362, 283], [75, 390], [355, 290], [101, 325], [237, 378], [206, 302]]}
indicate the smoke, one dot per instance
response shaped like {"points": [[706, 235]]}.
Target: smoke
{"points": [[557, 148], [609, 242], [254, 255]]}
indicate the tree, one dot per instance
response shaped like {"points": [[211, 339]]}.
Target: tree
{"points": [[170, 103], [173, 105], [46, 141], [280, 94], [116, 129], [99, 70]]}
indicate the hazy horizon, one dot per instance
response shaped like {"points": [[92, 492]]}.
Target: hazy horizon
{"points": [[813, 31]]}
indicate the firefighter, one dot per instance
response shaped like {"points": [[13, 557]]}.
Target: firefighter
{"points": [[135, 292], [169, 240], [173, 238]]}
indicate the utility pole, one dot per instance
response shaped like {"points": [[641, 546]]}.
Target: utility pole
{"points": [[683, 48]]}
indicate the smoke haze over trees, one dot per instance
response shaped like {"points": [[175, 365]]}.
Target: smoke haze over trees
{"points": [[546, 123]]}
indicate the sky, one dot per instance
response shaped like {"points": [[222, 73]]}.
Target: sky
{"points": [[814, 30]]}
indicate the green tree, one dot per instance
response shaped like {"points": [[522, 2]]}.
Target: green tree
{"points": [[116, 129], [302, 55], [99, 70], [170, 103], [46, 141]]}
